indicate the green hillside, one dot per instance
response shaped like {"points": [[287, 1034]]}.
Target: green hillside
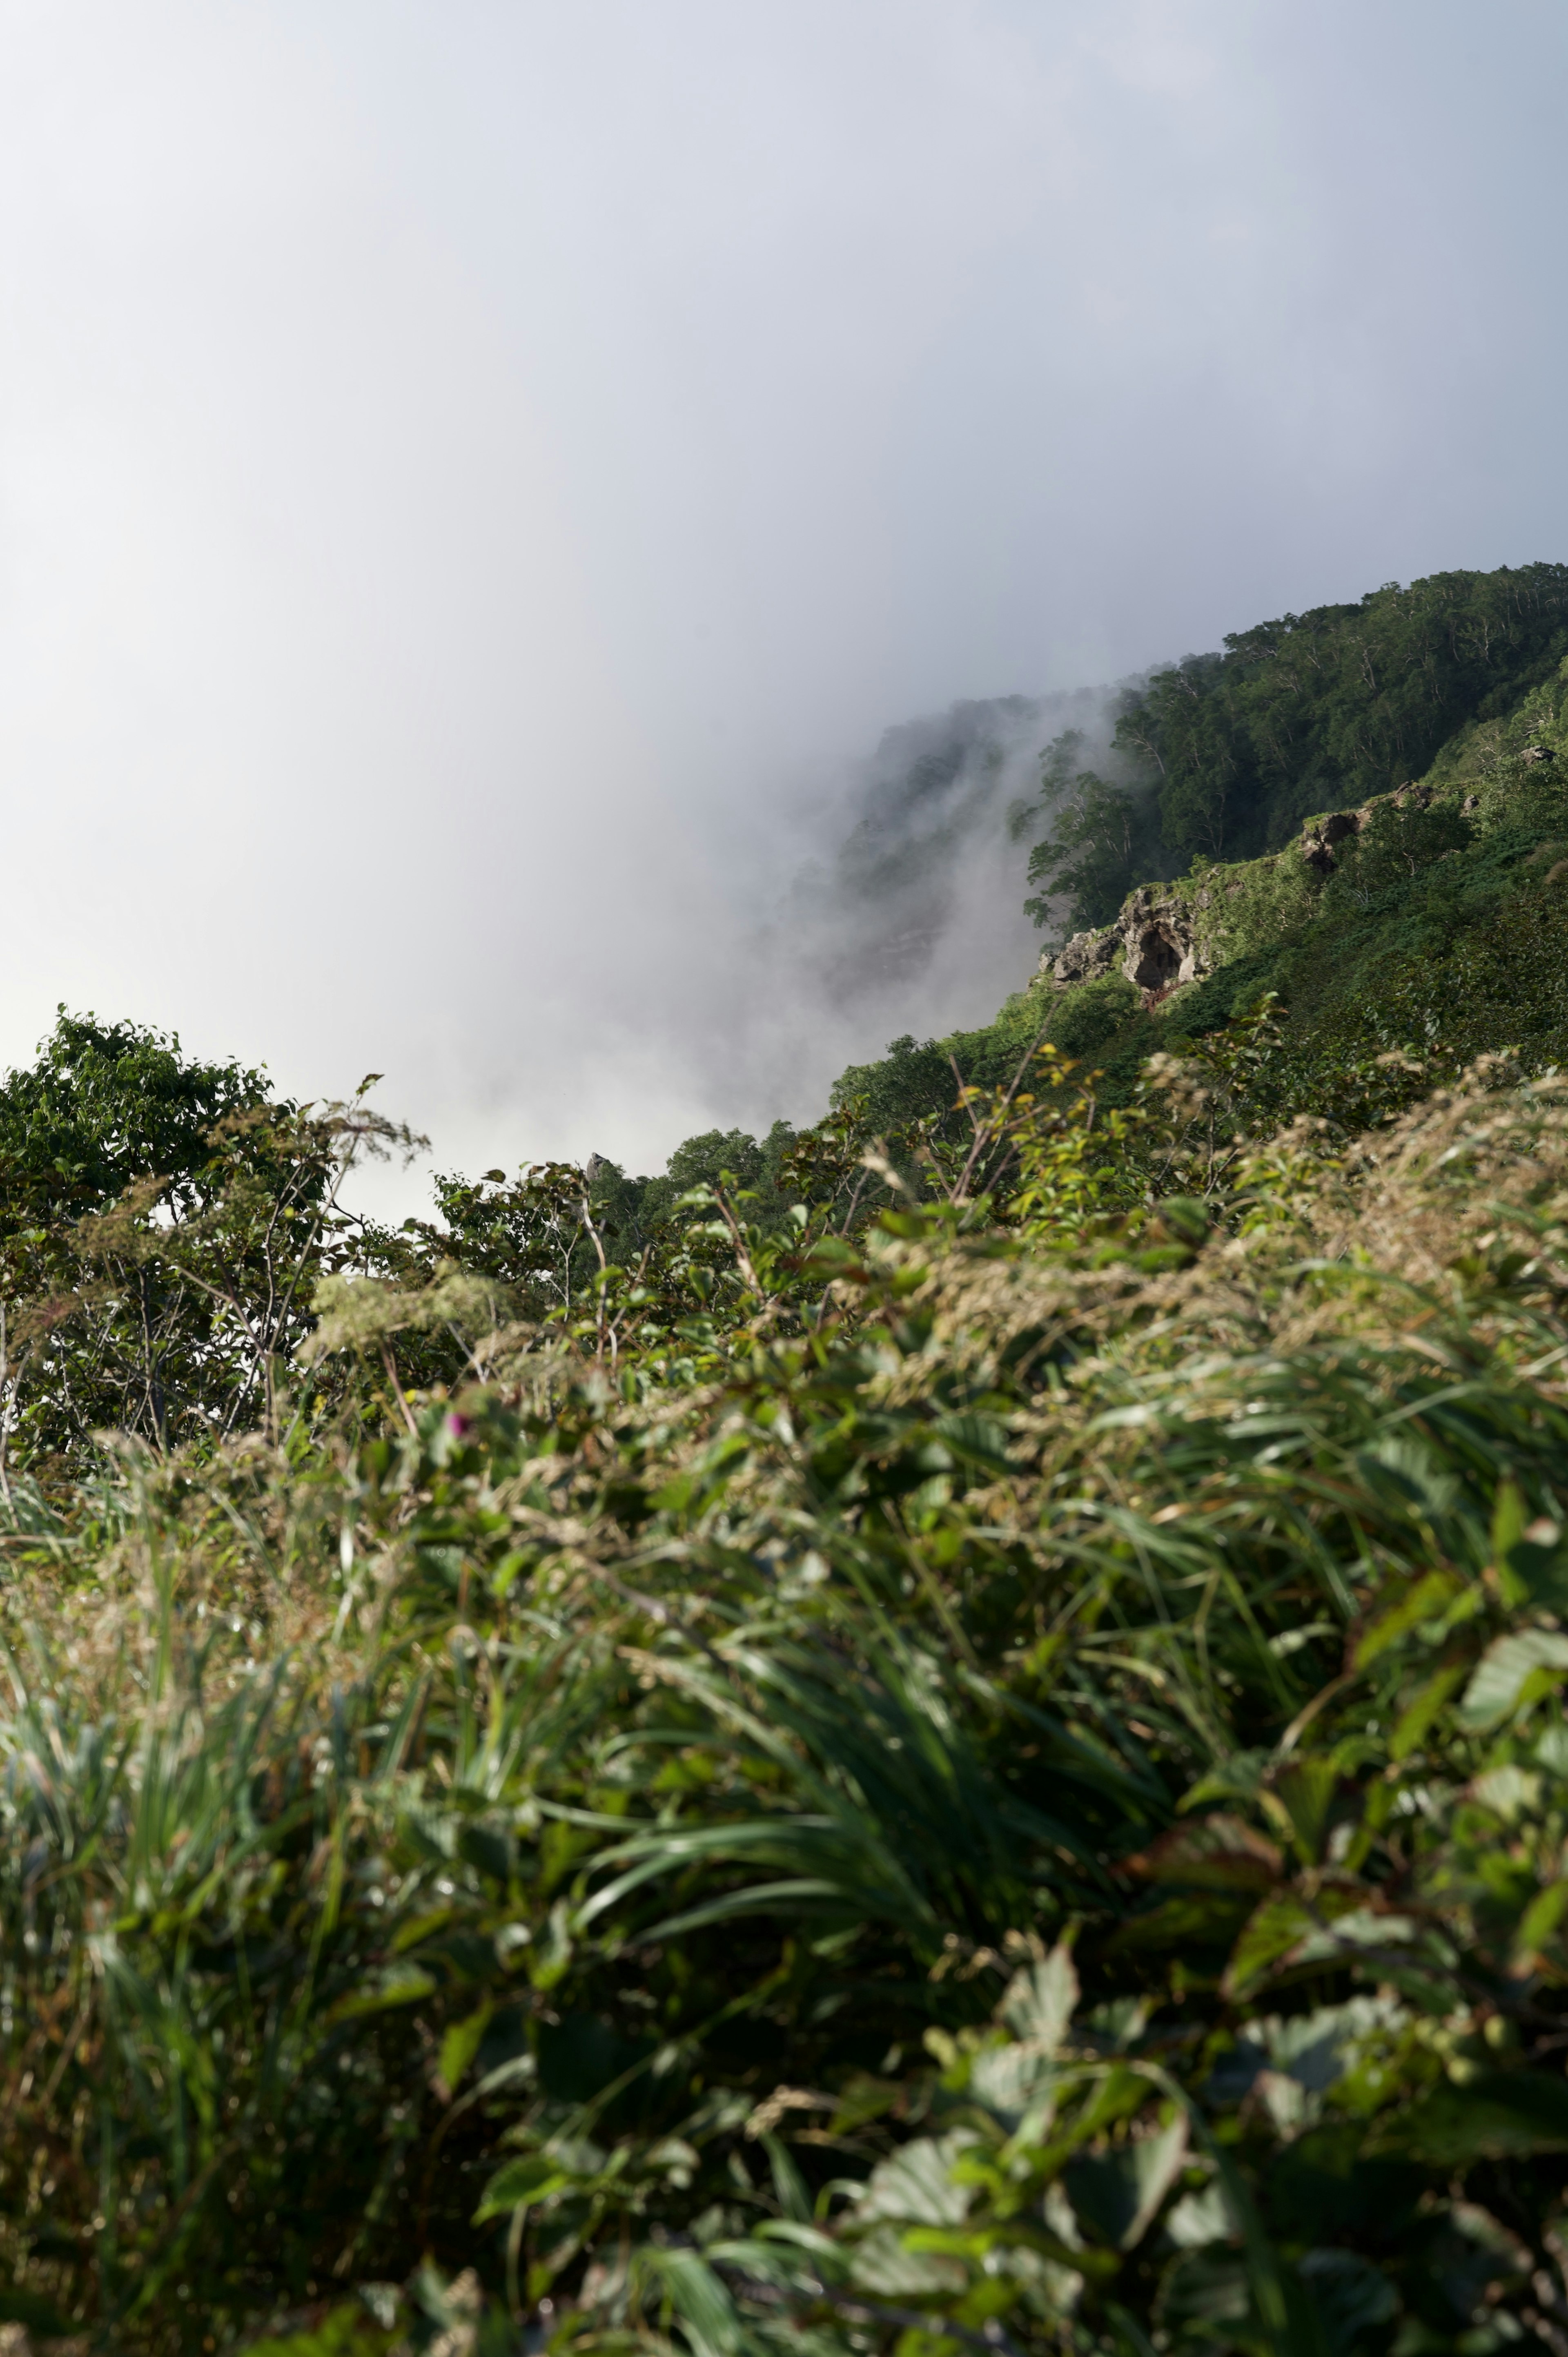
{"points": [[1224, 755], [1435, 934], [947, 1732]]}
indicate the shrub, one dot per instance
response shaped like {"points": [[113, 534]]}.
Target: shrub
{"points": [[1024, 1808]]}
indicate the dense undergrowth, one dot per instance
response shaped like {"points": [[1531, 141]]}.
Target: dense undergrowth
{"points": [[1002, 1786], [945, 1733]]}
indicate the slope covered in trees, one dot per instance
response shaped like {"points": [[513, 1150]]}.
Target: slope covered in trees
{"points": [[943, 1733], [1224, 755], [1436, 924]]}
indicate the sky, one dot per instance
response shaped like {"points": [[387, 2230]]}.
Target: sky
{"points": [[477, 475]]}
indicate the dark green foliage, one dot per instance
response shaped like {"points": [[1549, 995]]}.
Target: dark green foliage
{"points": [[1087, 1022], [163, 1227], [1099, 840], [1442, 934], [106, 1105], [915, 1079], [1184, 729], [1039, 1801], [530, 1232], [1398, 841], [704, 1160], [1320, 710], [919, 1081], [1227, 753]]}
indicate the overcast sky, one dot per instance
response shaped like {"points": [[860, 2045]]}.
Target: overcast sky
{"points": [[469, 471]]}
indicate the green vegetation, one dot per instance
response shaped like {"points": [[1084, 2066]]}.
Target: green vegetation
{"points": [[947, 1732], [1224, 755], [1436, 935]]}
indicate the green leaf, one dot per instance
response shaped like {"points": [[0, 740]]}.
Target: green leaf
{"points": [[1502, 2113], [1220, 1852], [1304, 1790], [1349, 2294], [1421, 1711], [1118, 2192], [1211, 2290], [789, 2187], [460, 2045], [1510, 1515], [915, 2185], [532, 2178], [697, 2295], [882, 2265], [976, 1440], [1194, 1920], [396, 1984], [1512, 1671], [1271, 1932], [550, 1958], [1541, 1919], [1039, 2000], [1416, 1601]]}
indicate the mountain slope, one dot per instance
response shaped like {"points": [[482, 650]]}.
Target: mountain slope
{"points": [[1221, 756], [1440, 924]]}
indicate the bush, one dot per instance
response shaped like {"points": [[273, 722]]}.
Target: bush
{"points": [[1023, 1808]]}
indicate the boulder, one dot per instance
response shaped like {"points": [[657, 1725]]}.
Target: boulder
{"points": [[1159, 942], [1085, 957], [1320, 836], [1154, 943], [1340, 824]]}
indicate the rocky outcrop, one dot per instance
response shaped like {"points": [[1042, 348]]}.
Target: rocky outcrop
{"points": [[1085, 958], [1162, 944], [1154, 943], [1157, 943], [1320, 836]]}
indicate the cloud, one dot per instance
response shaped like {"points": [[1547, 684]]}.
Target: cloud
{"points": [[476, 482]]}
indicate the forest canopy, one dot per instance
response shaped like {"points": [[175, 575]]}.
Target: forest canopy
{"points": [[1224, 755]]}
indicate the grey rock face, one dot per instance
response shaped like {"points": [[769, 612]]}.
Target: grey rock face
{"points": [[1086, 957], [1160, 944], [1154, 943]]}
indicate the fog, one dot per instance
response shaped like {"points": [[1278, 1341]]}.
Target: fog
{"points": [[478, 479]]}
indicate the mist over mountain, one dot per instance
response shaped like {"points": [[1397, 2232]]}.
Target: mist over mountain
{"points": [[903, 907], [474, 481], [921, 884]]}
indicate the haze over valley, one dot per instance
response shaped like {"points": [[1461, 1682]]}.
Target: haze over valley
{"points": [[476, 486]]}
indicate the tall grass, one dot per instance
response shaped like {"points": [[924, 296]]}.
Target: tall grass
{"points": [[1027, 1814]]}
